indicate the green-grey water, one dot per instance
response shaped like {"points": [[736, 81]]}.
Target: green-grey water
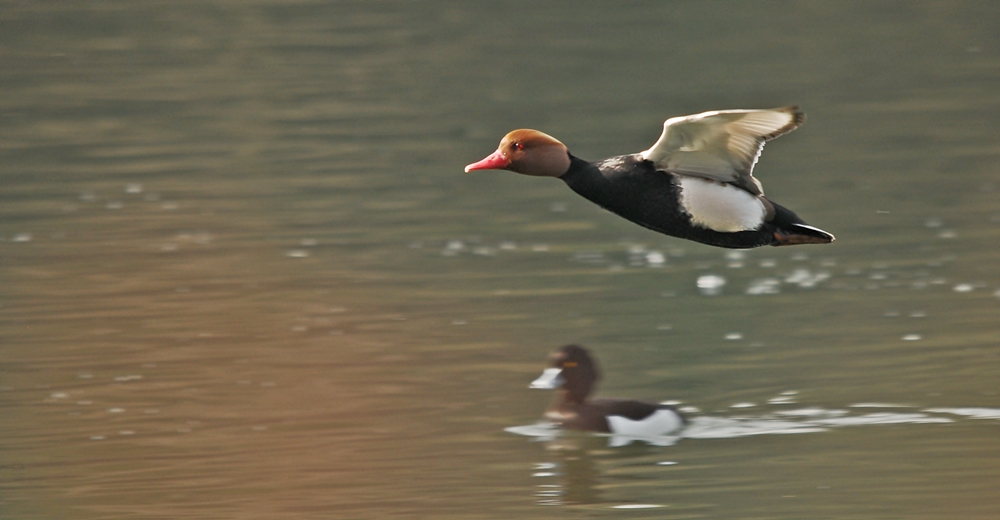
{"points": [[243, 276]]}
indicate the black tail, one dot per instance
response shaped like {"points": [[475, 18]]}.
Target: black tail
{"points": [[801, 234], [790, 230]]}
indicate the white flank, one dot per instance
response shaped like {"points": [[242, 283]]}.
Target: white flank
{"points": [[662, 422], [720, 207]]}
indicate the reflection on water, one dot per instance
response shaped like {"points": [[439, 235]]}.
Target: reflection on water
{"points": [[805, 420], [572, 474], [243, 276]]}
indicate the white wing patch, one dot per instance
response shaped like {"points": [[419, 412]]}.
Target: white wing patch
{"points": [[720, 207], [722, 145]]}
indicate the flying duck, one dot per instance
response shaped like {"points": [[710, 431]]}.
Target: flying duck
{"points": [[696, 182]]}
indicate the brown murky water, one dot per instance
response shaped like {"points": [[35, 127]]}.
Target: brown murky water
{"points": [[243, 276]]}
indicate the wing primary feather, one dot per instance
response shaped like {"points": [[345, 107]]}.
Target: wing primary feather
{"points": [[722, 145]]}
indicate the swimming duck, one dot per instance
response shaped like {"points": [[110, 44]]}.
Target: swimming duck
{"points": [[696, 182], [574, 373]]}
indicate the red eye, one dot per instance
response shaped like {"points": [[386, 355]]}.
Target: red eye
{"points": [[517, 146]]}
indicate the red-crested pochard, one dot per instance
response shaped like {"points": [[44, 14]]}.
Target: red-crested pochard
{"points": [[695, 182]]}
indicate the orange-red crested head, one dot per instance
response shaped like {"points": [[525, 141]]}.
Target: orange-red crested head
{"points": [[528, 152]]}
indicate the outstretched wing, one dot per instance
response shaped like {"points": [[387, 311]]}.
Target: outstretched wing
{"points": [[721, 145]]}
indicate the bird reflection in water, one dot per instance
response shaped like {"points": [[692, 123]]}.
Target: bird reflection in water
{"points": [[572, 472]]}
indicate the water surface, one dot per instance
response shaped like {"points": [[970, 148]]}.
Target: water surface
{"points": [[243, 276]]}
